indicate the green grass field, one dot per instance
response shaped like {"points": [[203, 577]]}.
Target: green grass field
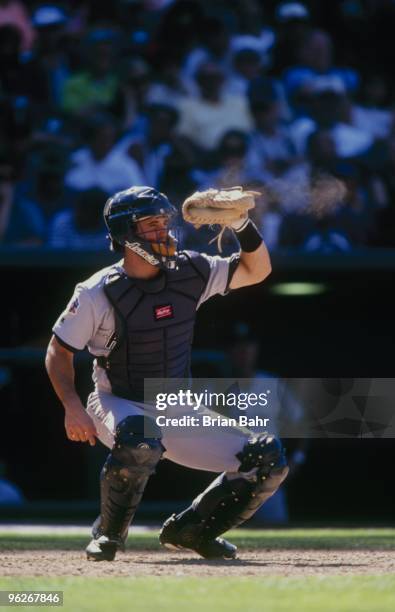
{"points": [[371, 592], [335, 594]]}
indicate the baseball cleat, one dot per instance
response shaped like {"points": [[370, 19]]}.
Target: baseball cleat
{"points": [[173, 537], [102, 549]]}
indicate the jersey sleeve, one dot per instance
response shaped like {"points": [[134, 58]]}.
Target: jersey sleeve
{"points": [[221, 272], [76, 325]]}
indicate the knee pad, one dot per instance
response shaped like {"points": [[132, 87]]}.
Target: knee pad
{"points": [[232, 499], [137, 442], [264, 452], [134, 456], [228, 502]]}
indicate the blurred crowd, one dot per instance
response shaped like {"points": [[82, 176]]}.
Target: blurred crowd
{"points": [[191, 94]]}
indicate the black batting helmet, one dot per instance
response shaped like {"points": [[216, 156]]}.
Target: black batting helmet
{"points": [[122, 212]]}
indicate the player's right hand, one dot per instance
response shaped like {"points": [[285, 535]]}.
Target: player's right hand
{"points": [[79, 425]]}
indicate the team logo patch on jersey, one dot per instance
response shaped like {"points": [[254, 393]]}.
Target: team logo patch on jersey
{"points": [[74, 306], [163, 312]]}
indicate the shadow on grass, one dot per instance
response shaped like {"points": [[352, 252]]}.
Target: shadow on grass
{"points": [[359, 539]]}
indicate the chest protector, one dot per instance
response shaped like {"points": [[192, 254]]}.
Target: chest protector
{"points": [[154, 322]]}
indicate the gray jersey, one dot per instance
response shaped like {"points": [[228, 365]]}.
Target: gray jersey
{"points": [[88, 320]]}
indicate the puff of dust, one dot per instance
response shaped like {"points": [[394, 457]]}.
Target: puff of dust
{"points": [[327, 194], [319, 198]]}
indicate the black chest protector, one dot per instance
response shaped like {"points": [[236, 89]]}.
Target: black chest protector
{"points": [[154, 323]]}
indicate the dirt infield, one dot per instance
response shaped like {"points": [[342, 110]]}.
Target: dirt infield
{"points": [[161, 563]]}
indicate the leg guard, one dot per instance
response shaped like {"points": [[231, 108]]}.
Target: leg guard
{"points": [[232, 499], [125, 475]]}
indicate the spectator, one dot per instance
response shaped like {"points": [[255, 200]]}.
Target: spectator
{"points": [[81, 227], [99, 164], [206, 119], [315, 57], [16, 121], [132, 94], [21, 222], [13, 13], [232, 168], [177, 180], [247, 65], [264, 86], [96, 85], [45, 188], [251, 32], [272, 153], [339, 226], [179, 28], [53, 130], [293, 19], [50, 59], [329, 107], [348, 225], [150, 149], [16, 79], [168, 84], [372, 113], [321, 150], [215, 49]]}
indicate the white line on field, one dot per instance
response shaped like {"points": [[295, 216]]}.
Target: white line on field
{"points": [[62, 529]]}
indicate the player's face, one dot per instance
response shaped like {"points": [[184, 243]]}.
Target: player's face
{"points": [[154, 229]]}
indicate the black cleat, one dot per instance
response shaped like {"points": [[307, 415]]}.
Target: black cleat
{"points": [[172, 536], [102, 549]]}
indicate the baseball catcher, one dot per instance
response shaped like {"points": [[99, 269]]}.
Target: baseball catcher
{"points": [[137, 318]]}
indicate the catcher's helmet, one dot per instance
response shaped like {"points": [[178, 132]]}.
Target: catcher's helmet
{"points": [[122, 212]]}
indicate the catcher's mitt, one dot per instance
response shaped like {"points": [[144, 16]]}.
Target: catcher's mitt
{"points": [[223, 207]]}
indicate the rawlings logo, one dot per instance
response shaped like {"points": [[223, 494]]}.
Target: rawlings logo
{"points": [[163, 312], [138, 249]]}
